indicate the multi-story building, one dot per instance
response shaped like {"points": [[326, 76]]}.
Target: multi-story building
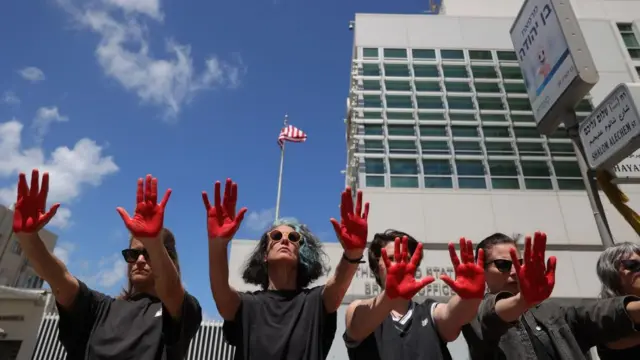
{"points": [[15, 270]]}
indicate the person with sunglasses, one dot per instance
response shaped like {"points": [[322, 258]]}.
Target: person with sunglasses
{"points": [[154, 319], [517, 320], [285, 319], [618, 269], [393, 326]]}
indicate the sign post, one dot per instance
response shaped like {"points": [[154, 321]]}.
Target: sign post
{"points": [[558, 72]]}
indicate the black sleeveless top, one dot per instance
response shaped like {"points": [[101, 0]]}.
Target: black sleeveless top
{"points": [[414, 337]]}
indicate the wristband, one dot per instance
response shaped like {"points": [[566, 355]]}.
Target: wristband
{"points": [[353, 261]]}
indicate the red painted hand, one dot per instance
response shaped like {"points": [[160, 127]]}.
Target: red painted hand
{"points": [[222, 220], [148, 219], [469, 283], [401, 281], [352, 228], [29, 215], [536, 282]]}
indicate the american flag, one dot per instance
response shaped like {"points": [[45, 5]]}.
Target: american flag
{"points": [[291, 133]]}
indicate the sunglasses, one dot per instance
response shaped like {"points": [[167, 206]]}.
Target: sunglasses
{"points": [[132, 255], [504, 265], [277, 235], [631, 265]]}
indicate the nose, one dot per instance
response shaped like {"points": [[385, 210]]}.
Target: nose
{"points": [[141, 259]]}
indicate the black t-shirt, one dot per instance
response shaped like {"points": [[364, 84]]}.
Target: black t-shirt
{"points": [[604, 353], [101, 327], [282, 325], [413, 337]]}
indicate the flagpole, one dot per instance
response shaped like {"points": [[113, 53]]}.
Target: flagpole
{"points": [[280, 174]]}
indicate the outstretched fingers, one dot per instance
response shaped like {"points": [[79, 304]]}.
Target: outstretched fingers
{"points": [[551, 268], [419, 284], [396, 250], [165, 198], [385, 259], [515, 261], [44, 189], [205, 201], [359, 203], [217, 202], [417, 255], [35, 183], [51, 213], [139, 191], [148, 188], [452, 254], [124, 215], [153, 192], [23, 188]]}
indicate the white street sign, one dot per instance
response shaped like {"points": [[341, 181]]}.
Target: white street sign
{"points": [[556, 65], [612, 132]]}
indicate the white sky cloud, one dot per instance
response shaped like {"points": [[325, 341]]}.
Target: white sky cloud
{"points": [[111, 271], [63, 251], [45, 116], [150, 8], [260, 220], [10, 98], [32, 73]]}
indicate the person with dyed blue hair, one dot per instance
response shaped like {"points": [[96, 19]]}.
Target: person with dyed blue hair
{"points": [[285, 320]]}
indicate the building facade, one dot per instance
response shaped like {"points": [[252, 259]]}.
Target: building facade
{"points": [[15, 270], [21, 312]]}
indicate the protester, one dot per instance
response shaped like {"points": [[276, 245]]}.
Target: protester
{"points": [[619, 271], [391, 325], [156, 318], [516, 321], [285, 320]]}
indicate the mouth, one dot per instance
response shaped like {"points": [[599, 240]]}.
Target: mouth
{"points": [[284, 249]]}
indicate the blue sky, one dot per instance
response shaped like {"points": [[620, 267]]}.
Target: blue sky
{"points": [[102, 92]]}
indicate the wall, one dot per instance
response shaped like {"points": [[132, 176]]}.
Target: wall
{"points": [[26, 329]]}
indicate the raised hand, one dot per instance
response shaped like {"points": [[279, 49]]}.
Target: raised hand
{"points": [[352, 228], [222, 220], [148, 219], [29, 215], [401, 281], [536, 282], [469, 283]]}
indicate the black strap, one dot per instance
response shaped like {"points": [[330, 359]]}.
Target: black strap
{"points": [[353, 261]]}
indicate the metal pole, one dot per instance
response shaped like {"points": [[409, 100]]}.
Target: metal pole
{"points": [[590, 183], [280, 174]]}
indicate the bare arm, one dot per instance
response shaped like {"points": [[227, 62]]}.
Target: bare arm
{"points": [[625, 343], [452, 316], [63, 285], [364, 316], [167, 281], [227, 298], [338, 284]]}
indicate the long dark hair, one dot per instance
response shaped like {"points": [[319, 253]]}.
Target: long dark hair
{"points": [[169, 242], [311, 258]]}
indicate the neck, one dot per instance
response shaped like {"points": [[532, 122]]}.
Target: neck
{"points": [[282, 277], [149, 290], [401, 307]]}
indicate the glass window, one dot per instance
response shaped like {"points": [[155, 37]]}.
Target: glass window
{"points": [[567, 169], [431, 116], [403, 166], [470, 174], [504, 174], [467, 148], [372, 115], [370, 70], [457, 86], [374, 181], [460, 103], [484, 72], [480, 55], [438, 182], [452, 54], [404, 182], [571, 184], [464, 131], [494, 117], [435, 147], [490, 103], [427, 86], [424, 54], [372, 101], [502, 148], [397, 70], [371, 85], [496, 131], [515, 88], [433, 130], [399, 101], [511, 72], [402, 147], [518, 104], [436, 166], [370, 129], [430, 102], [560, 133], [536, 175], [531, 149], [395, 53], [370, 53], [456, 116], [523, 119], [373, 147], [561, 149], [507, 56], [397, 115], [455, 71], [426, 71], [401, 130], [397, 85], [374, 166], [526, 132], [584, 106], [487, 87]]}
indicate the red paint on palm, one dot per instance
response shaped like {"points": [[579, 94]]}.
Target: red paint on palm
{"points": [[536, 282], [148, 218], [222, 220], [401, 281], [352, 228], [469, 282], [29, 215]]}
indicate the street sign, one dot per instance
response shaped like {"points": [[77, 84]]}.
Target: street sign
{"points": [[612, 132], [556, 64]]}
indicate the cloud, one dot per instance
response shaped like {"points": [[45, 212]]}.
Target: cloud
{"points": [[62, 220], [72, 169], [111, 271], [63, 251], [124, 55], [45, 116], [10, 98], [32, 74], [259, 220]]}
